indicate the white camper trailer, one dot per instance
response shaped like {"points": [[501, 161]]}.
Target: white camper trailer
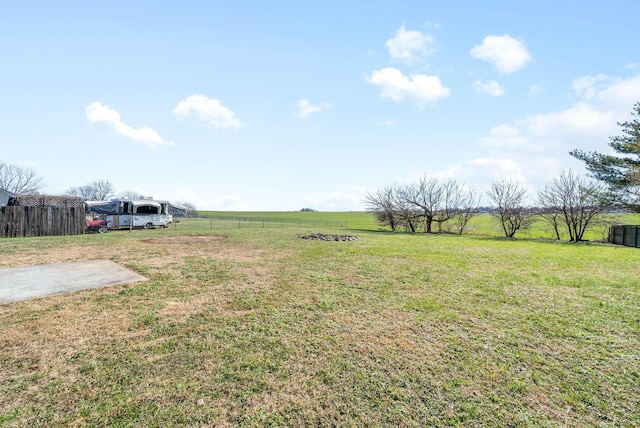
{"points": [[5, 196], [128, 213]]}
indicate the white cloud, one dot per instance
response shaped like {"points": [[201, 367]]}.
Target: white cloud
{"points": [[490, 87], [390, 122], [305, 108], [535, 149], [619, 93], [582, 118], [476, 173], [497, 168], [587, 125], [588, 86], [208, 110], [556, 132], [481, 172], [506, 53], [410, 46], [504, 136], [97, 112], [420, 88]]}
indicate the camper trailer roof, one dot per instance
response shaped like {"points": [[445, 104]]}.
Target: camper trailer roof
{"points": [[136, 202]]}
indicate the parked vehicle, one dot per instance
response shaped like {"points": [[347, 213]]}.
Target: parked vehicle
{"points": [[99, 226], [129, 213]]}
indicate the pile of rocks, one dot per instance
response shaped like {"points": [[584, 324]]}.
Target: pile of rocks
{"points": [[323, 237]]}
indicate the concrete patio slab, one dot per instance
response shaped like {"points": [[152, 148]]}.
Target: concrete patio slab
{"points": [[23, 283]]}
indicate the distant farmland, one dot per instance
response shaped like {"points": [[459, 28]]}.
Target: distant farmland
{"points": [[482, 224]]}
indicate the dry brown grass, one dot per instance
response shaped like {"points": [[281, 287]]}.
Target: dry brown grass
{"points": [[261, 328], [42, 337]]}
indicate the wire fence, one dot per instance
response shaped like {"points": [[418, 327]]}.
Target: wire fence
{"points": [[272, 222]]}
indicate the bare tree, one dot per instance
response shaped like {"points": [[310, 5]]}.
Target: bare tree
{"points": [[406, 213], [191, 209], [437, 201], [420, 204], [602, 225], [131, 194], [381, 203], [553, 218], [573, 200], [392, 207], [98, 190], [103, 189], [454, 201], [20, 180], [509, 199], [427, 195], [467, 209]]}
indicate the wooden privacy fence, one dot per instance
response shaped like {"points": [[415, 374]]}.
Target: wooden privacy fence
{"points": [[628, 235], [23, 221]]}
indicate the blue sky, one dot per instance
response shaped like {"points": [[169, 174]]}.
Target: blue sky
{"points": [[280, 105]]}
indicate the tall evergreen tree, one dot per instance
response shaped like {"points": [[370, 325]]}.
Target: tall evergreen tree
{"points": [[621, 172]]}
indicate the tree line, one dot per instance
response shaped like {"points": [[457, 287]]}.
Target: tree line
{"points": [[24, 180], [569, 203]]}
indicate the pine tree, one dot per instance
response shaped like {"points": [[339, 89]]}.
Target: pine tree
{"points": [[621, 172]]}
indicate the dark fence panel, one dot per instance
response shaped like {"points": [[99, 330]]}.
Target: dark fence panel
{"points": [[24, 221], [628, 235]]}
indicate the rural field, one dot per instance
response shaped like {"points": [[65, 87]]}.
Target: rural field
{"points": [[243, 323]]}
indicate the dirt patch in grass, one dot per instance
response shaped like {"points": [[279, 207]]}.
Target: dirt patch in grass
{"points": [[195, 239]]}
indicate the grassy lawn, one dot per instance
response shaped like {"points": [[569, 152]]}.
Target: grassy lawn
{"points": [[351, 220], [253, 326], [480, 225]]}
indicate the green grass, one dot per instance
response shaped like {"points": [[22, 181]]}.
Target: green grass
{"points": [[263, 328], [483, 224], [352, 219]]}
